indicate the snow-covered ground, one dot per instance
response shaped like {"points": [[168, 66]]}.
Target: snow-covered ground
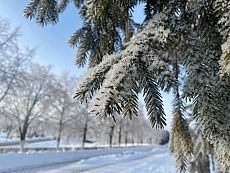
{"points": [[53, 143], [41, 142], [3, 138], [117, 160], [14, 141]]}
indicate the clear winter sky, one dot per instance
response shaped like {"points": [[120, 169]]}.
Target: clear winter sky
{"points": [[51, 40]]}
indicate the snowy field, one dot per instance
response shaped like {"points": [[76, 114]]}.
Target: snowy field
{"points": [[116, 160]]}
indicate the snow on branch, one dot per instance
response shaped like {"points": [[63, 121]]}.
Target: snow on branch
{"points": [[117, 76], [93, 80]]}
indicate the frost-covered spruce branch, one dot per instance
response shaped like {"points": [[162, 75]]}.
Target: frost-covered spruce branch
{"points": [[92, 82], [211, 93], [116, 85], [151, 96], [223, 14], [212, 112], [180, 142]]}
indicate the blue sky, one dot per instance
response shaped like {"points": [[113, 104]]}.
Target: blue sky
{"points": [[51, 40]]}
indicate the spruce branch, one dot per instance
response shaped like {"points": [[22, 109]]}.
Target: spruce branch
{"points": [[222, 12], [181, 143], [31, 9], [62, 5], [114, 89], [93, 81], [44, 11], [210, 111], [130, 102], [152, 97]]}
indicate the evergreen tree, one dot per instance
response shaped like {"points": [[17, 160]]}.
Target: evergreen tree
{"points": [[193, 35]]}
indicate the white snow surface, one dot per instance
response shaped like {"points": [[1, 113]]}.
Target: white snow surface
{"points": [[32, 143], [146, 159]]}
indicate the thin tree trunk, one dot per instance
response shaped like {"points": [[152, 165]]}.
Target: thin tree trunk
{"points": [[141, 140], [111, 135], [7, 89], [120, 133], [58, 142], [23, 132], [22, 141], [60, 128], [126, 133], [150, 141], [84, 134], [59, 134], [132, 139]]}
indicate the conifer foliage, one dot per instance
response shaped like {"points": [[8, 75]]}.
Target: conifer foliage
{"points": [[223, 14], [125, 59]]}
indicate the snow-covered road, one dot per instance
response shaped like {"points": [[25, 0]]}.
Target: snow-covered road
{"points": [[117, 160]]}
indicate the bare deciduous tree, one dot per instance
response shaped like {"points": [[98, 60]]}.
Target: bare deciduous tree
{"points": [[25, 104], [12, 59], [61, 103]]}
